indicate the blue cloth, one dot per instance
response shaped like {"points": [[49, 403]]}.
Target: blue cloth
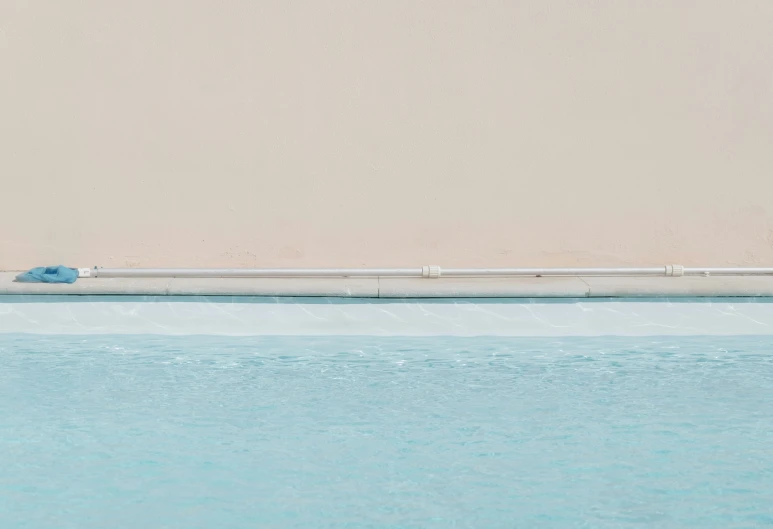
{"points": [[49, 274]]}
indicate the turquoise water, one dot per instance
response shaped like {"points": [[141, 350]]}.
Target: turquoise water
{"points": [[204, 432]]}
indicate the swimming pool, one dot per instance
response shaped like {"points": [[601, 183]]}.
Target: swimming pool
{"points": [[108, 430]]}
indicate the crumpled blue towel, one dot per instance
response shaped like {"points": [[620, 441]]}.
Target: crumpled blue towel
{"points": [[49, 274]]}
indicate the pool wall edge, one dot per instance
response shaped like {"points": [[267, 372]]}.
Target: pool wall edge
{"points": [[391, 287]]}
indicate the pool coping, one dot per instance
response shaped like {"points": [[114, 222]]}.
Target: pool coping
{"points": [[397, 288]]}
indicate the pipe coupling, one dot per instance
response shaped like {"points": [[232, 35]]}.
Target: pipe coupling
{"points": [[430, 272]]}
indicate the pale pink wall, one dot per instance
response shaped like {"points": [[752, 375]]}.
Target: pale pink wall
{"points": [[382, 133]]}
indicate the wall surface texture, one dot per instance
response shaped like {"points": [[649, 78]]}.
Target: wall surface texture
{"points": [[386, 133]]}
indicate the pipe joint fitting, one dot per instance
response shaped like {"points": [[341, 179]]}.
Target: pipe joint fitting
{"points": [[430, 272]]}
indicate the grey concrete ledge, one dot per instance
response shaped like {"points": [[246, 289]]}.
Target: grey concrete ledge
{"points": [[543, 287]]}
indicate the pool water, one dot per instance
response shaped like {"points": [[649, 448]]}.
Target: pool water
{"points": [[227, 432]]}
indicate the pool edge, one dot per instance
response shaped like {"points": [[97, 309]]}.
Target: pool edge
{"points": [[395, 288]]}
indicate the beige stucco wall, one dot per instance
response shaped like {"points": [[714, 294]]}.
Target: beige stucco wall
{"points": [[386, 133]]}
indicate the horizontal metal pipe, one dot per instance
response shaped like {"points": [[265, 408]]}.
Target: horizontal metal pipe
{"points": [[533, 272], [728, 271], [257, 272], [416, 272]]}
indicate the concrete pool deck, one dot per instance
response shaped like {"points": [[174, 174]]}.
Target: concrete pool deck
{"points": [[390, 287]]}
